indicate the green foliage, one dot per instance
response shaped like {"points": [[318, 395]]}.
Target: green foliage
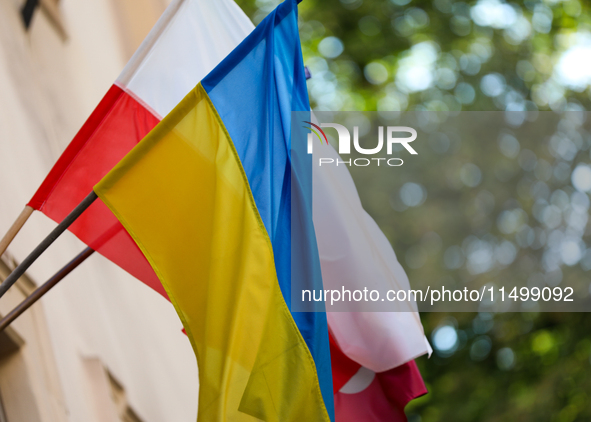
{"points": [[446, 55], [537, 370]]}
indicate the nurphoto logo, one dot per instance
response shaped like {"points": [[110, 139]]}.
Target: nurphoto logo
{"points": [[392, 135]]}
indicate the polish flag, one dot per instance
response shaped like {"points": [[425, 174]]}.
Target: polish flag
{"points": [[187, 42], [372, 353]]}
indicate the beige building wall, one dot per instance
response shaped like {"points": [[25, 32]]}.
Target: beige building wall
{"points": [[100, 346]]}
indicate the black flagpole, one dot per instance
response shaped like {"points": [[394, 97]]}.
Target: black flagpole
{"points": [[27, 11], [37, 294], [28, 261]]}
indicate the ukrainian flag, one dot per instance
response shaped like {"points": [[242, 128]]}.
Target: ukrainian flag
{"points": [[207, 196]]}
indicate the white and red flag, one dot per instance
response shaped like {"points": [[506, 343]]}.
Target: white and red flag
{"points": [[372, 353], [186, 43]]}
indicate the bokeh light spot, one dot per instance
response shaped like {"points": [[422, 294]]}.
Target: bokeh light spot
{"points": [[581, 178], [412, 194], [376, 73], [445, 340], [331, 47]]}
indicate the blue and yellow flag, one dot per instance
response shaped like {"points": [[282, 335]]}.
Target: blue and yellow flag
{"points": [[207, 197]]}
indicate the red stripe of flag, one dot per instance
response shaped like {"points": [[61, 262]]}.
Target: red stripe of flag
{"points": [[117, 124]]}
